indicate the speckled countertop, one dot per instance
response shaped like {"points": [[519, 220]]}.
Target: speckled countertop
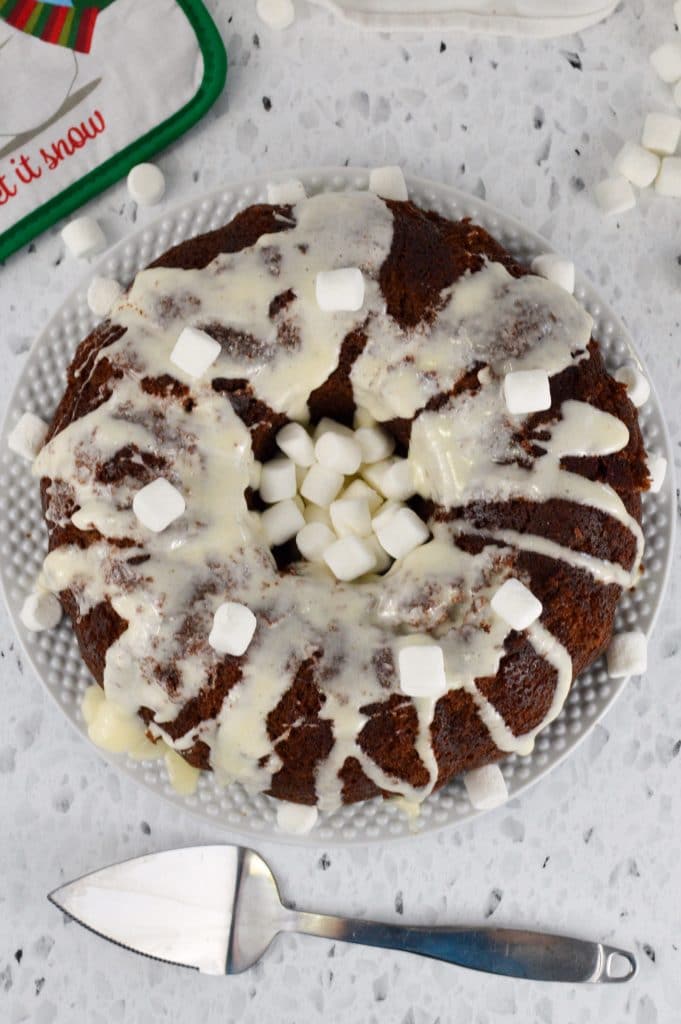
{"points": [[593, 849]]}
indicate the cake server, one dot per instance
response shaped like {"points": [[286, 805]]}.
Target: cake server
{"points": [[217, 909]]}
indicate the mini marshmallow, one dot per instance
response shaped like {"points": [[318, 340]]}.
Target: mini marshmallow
{"points": [[393, 478], [363, 418], [516, 605], [400, 531], [313, 540], [102, 294], [316, 514], [233, 628], [326, 426], [637, 165], [158, 504], [340, 290], [669, 179], [294, 441], [349, 558], [343, 454], [661, 133], [657, 469], [557, 269], [321, 485], [527, 391], [360, 489], [194, 351], [627, 654], [281, 522], [351, 517], [421, 668], [27, 436], [383, 559], [41, 610], [486, 787], [296, 819], [637, 385], [285, 193], [146, 184], [83, 237], [277, 14], [388, 183], [278, 480], [376, 444], [614, 195], [666, 61]]}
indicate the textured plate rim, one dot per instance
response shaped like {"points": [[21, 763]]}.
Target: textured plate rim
{"points": [[321, 180]]}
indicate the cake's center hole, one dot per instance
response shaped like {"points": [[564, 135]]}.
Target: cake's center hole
{"points": [[337, 497]]}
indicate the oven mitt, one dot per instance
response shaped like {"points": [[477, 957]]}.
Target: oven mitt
{"points": [[501, 17], [89, 89]]}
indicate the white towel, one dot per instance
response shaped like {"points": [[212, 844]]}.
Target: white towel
{"points": [[501, 17]]}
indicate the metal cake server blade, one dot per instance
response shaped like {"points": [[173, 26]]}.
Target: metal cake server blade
{"points": [[217, 909]]}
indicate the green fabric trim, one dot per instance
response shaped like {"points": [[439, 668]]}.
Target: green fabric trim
{"points": [[158, 138]]}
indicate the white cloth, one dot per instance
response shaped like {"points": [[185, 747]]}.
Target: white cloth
{"points": [[501, 17]]}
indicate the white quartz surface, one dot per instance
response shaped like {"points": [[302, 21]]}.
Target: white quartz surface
{"points": [[594, 849]]}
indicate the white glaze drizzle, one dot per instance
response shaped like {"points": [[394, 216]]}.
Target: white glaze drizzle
{"points": [[217, 550]]}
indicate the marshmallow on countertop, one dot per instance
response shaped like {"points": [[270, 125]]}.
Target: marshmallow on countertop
{"points": [[399, 531], [194, 351], [321, 485], [614, 195], [296, 819], [637, 385], [657, 469], [388, 183], [278, 480], [421, 668], [158, 504], [83, 237], [516, 605], [527, 391], [392, 477], [41, 610], [351, 517], [342, 454], [27, 436], [556, 269], [146, 184], [666, 60], [102, 294], [294, 441], [376, 444], [669, 179], [637, 165], [340, 290], [313, 540], [661, 133], [277, 14], [281, 522], [627, 654], [486, 787], [233, 629], [285, 193], [349, 558]]}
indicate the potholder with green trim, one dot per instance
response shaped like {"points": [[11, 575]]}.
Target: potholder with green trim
{"points": [[89, 89]]}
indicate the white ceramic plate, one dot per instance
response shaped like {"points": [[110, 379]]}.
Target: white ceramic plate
{"points": [[54, 654], [495, 17]]}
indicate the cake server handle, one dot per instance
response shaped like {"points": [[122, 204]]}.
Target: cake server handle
{"points": [[510, 952]]}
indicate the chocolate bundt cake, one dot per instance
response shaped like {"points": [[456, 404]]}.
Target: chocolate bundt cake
{"points": [[316, 709]]}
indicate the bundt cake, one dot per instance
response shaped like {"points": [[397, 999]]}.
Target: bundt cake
{"points": [[405, 658]]}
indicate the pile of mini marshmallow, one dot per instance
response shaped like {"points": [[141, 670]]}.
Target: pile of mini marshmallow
{"points": [[653, 160]]}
